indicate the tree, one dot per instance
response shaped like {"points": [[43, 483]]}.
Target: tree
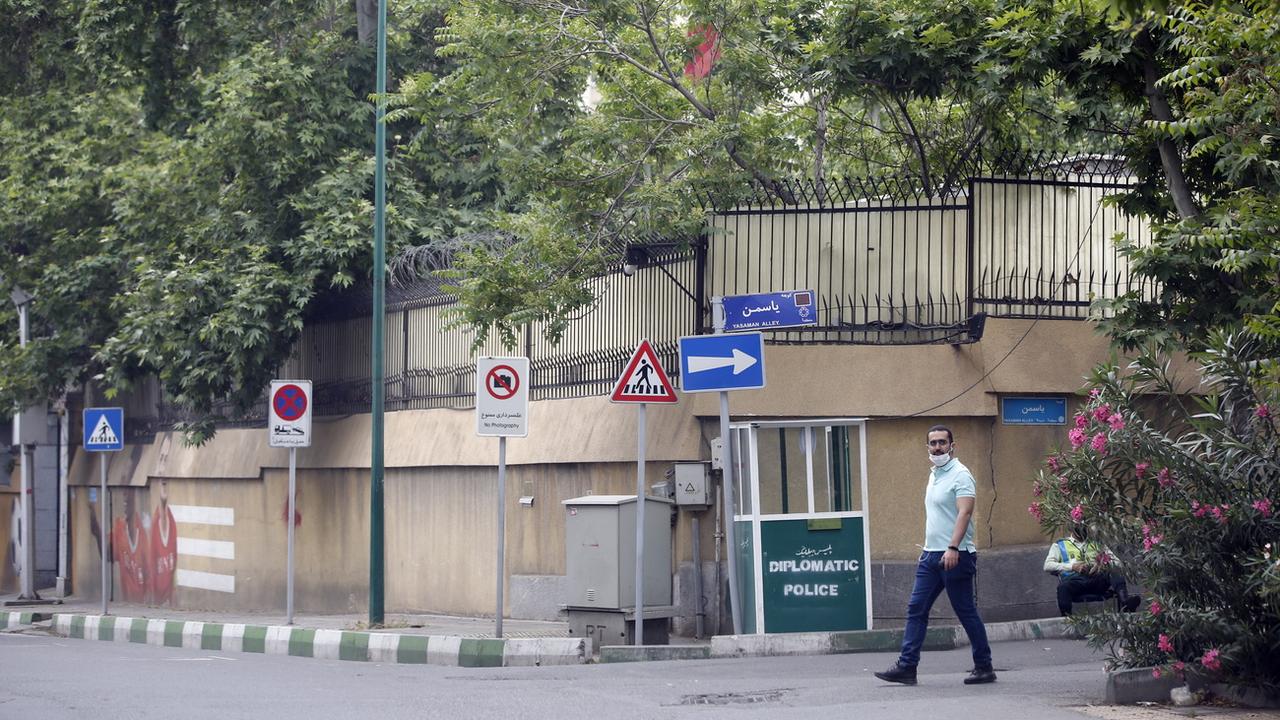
{"points": [[185, 181]]}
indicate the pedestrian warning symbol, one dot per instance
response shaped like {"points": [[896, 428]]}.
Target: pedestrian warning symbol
{"points": [[643, 380], [103, 433]]}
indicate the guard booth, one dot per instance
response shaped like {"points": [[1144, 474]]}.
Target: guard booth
{"points": [[801, 525]]}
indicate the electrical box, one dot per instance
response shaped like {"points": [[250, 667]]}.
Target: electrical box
{"points": [[692, 484], [600, 551], [31, 426]]}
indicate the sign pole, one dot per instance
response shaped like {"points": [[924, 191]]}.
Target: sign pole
{"points": [[726, 469], [640, 442], [104, 530], [293, 491], [502, 528]]}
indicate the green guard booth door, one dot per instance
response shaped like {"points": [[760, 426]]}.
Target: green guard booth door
{"points": [[802, 526]]}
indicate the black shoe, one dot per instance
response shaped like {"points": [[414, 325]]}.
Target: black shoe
{"points": [[899, 673], [1131, 603], [980, 676]]}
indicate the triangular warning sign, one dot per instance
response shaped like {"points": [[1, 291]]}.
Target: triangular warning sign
{"points": [[643, 381], [103, 433]]}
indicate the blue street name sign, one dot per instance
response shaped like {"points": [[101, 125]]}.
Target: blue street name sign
{"points": [[712, 363], [103, 429], [1033, 411], [769, 310]]}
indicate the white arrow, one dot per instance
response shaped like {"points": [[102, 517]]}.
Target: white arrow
{"points": [[740, 361]]}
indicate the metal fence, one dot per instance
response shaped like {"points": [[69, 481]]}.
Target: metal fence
{"points": [[888, 263]]}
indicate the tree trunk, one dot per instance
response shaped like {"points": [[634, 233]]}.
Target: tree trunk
{"points": [[366, 21], [820, 147], [1170, 159]]}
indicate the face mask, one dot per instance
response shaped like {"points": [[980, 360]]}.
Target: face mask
{"points": [[940, 460]]}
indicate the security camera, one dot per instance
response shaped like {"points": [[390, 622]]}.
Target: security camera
{"points": [[628, 269]]}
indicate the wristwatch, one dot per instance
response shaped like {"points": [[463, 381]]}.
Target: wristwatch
{"points": [[953, 547]]}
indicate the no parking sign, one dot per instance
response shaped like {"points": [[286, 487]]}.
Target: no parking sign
{"points": [[289, 414]]}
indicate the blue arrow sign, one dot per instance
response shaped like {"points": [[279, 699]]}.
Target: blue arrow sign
{"points": [[103, 429], [712, 363], [769, 310]]}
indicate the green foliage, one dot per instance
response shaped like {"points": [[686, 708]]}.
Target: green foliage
{"points": [[1187, 493], [180, 181]]}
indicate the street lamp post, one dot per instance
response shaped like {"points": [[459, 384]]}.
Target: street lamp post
{"points": [[21, 299]]}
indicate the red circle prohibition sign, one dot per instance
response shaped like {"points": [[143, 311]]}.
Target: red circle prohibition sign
{"points": [[502, 387], [290, 402]]}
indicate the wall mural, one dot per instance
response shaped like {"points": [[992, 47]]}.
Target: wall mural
{"points": [[142, 545]]}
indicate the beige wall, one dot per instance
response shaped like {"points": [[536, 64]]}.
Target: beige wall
{"points": [[441, 479]]}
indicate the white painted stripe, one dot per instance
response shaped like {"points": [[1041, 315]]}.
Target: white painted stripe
{"points": [[192, 634], [206, 580], [203, 514], [382, 647], [219, 549], [155, 632], [91, 623], [327, 644], [278, 640], [123, 626], [62, 624], [233, 637], [443, 650]]}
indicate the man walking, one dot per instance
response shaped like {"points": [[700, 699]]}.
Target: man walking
{"points": [[949, 561]]}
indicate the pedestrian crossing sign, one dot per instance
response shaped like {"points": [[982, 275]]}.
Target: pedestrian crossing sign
{"points": [[643, 380], [103, 429]]}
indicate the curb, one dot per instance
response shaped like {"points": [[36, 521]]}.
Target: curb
{"points": [[329, 644], [14, 620], [631, 653], [946, 637]]}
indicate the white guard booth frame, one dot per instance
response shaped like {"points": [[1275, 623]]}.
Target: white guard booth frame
{"points": [[812, 437]]}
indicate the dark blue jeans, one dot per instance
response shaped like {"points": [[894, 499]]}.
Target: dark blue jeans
{"points": [[931, 580]]}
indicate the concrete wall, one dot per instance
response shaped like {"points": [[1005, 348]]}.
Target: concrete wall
{"points": [[441, 499]]}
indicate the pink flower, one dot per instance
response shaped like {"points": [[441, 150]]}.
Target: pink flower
{"points": [[1036, 511], [1199, 510], [1116, 422], [1077, 513], [1104, 559], [1099, 442], [1263, 506], [1165, 644], [1036, 490], [1263, 411], [1076, 436], [1063, 485], [1094, 393], [1141, 469], [1054, 464], [1156, 608], [1179, 667], [1219, 513], [1210, 660], [1082, 421], [1164, 477], [1155, 673], [1102, 412]]}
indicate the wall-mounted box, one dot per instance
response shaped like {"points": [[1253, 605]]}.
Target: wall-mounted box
{"points": [[693, 484]]}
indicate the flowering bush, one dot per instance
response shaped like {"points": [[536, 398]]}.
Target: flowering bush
{"points": [[1183, 490]]}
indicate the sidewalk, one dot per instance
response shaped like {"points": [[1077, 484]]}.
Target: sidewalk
{"points": [[451, 640]]}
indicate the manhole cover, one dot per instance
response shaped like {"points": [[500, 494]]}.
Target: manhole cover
{"points": [[740, 698]]}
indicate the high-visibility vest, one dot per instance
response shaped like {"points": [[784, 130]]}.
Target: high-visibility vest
{"points": [[1073, 552]]}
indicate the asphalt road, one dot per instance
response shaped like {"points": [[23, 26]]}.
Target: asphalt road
{"points": [[52, 678]]}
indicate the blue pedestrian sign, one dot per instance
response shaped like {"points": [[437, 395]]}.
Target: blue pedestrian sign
{"points": [[712, 363], [769, 311], [103, 429]]}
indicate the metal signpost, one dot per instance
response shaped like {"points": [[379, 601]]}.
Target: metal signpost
{"points": [[721, 363], [502, 411], [769, 311], [103, 433], [642, 381], [289, 426]]}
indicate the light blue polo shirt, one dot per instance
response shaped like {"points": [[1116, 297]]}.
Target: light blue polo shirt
{"points": [[946, 483]]}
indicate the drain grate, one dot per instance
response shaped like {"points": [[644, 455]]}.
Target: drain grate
{"points": [[739, 698]]}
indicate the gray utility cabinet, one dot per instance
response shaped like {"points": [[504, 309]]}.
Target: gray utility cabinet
{"points": [[600, 564]]}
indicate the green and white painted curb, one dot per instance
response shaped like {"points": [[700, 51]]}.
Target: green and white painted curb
{"points": [[330, 644], [17, 620]]}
